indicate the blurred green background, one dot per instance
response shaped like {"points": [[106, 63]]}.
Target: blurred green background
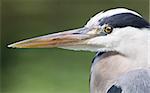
{"points": [[49, 70]]}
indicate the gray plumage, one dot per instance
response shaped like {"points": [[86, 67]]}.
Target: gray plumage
{"points": [[135, 81], [109, 74]]}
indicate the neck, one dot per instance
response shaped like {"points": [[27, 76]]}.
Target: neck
{"points": [[138, 48]]}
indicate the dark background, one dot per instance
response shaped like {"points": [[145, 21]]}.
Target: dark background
{"points": [[49, 70]]}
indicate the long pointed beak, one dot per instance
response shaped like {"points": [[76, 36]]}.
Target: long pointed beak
{"points": [[60, 39]]}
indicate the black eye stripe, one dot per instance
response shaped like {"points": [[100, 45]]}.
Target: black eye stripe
{"points": [[124, 20]]}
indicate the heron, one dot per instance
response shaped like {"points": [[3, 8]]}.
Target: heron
{"points": [[121, 39]]}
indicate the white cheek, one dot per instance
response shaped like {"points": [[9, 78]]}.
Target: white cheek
{"points": [[108, 42]]}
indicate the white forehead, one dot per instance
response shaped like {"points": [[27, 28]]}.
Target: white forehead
{"points": [[94, 20]]}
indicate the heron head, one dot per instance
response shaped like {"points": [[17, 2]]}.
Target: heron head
{"points": [[106, 31]]}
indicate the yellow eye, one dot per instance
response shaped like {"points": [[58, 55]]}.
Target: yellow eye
{"points": [[108, 29]]}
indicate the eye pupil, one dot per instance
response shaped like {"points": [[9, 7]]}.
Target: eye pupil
{"points": [[108, 29]]}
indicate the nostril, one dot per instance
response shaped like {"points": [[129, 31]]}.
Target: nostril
{"points": [[77, 33]]}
